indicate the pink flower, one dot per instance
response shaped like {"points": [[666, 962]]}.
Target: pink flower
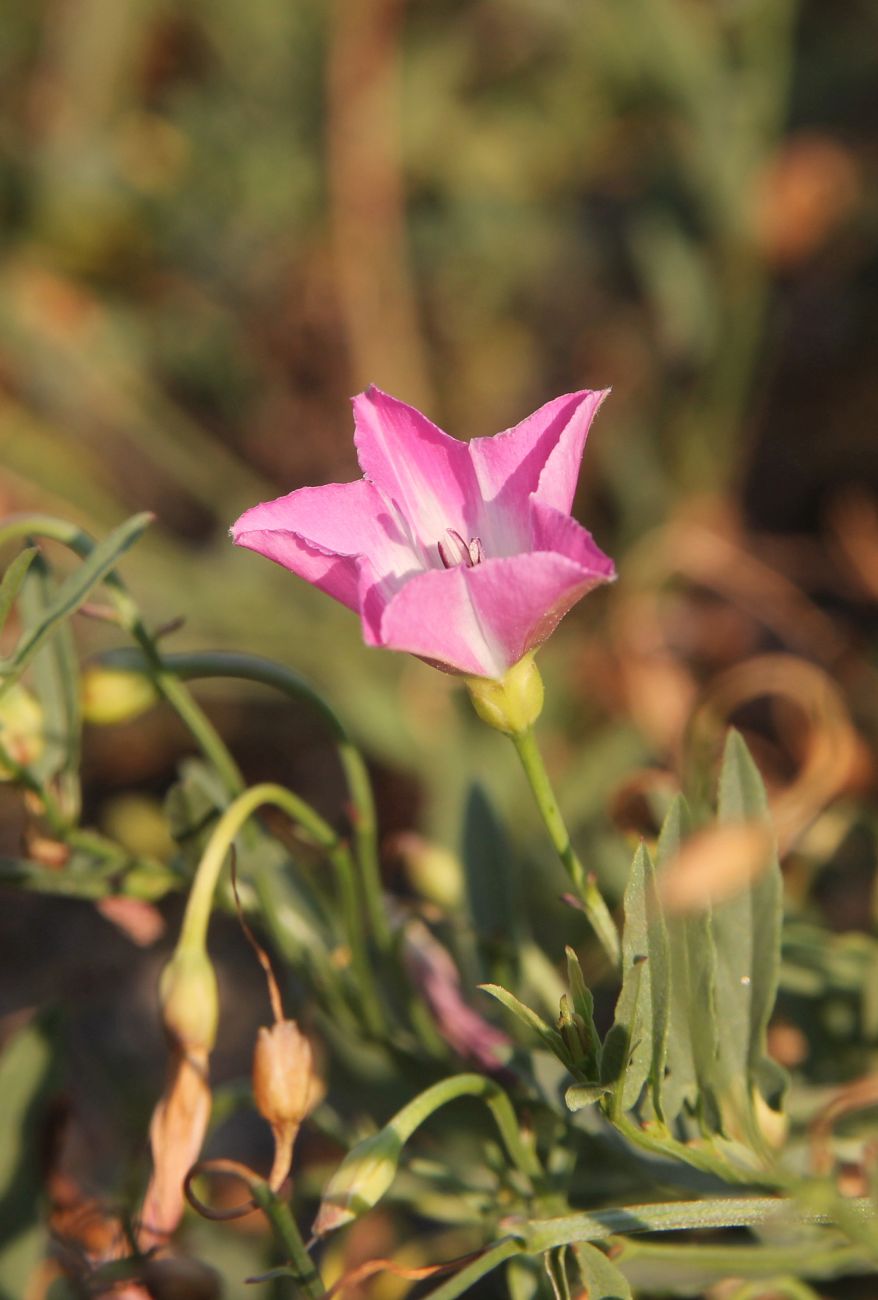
{"points": [[464, 554], [433, 971]]}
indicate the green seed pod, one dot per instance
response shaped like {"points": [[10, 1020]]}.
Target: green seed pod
{"points": [[189, 999]]}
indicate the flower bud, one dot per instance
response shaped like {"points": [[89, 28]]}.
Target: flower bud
{"points": [[435, 872], [360, 1181], [578, 1038], [512, 703], [112, 695], [189, 998], [21, 728], [283, 1074]]}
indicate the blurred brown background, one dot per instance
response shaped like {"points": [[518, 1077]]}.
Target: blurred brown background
{"points": [[220, 219]]}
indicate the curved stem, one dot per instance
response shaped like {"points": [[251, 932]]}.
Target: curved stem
{"points": [[592, 900], [245, 667], [412, 1115], [193, 932]]}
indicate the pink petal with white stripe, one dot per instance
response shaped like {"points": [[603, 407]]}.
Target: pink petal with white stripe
{"points": [[424, 471], [481, 621]]}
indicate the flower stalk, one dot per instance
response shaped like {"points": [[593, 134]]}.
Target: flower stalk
{"points": [[369, 1168], [198, 908], [189, 665], [592, 900]]}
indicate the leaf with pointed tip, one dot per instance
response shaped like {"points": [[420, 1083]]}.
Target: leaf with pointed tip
{"points": [[550, 1037], [642, 1008], [12, 580], [747, 931], [73, 592], [55, 670], [692, 1038], [579, 1095], [491, 880], [600, 1276], [583, 1005]]}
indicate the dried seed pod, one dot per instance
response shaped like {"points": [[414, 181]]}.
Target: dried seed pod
{"points": [[285, 1087]]}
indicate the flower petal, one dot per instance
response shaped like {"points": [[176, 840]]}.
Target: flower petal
{"points": [[424, 471], [551, 530], [481, 621], [320, 534], [512, 465], [557, 485]]}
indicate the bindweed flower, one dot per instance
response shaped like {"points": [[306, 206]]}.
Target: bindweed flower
{"points": [[464, 554], [433, 971]]}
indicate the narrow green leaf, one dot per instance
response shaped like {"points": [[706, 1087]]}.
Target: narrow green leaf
{"points": [[583, 1008], [600, 1276], [28, 1078], [747, 932], [74, 591], [56, 684], [535, 1023], [642, 1006], [580, 993], [491, 880], [12, 581], [692, 1037], [617, 1047]]}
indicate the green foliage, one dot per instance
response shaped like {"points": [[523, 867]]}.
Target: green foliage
{"points": [[28, 1080], [627, 1118]]}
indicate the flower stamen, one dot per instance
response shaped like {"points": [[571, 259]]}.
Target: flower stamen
{"points": [[454, 551]]}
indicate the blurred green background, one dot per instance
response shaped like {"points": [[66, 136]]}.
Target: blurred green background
{"points": [[221, 219]]}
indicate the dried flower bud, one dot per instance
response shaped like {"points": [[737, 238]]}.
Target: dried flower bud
{"points": [[112, 695], [360, 1181], [21, 728], [190, 1003], [285, 1088], [513, 703], [283, 1074]]}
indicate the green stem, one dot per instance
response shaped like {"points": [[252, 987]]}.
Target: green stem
{"points": [[219, 663], [744, 1261], [592, 900], [703, 1157], [193, 933], [288, 1238], [676, 1216], [405, 1121]]}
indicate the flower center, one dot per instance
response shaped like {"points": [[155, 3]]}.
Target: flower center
{"points": [[454, 551]]}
